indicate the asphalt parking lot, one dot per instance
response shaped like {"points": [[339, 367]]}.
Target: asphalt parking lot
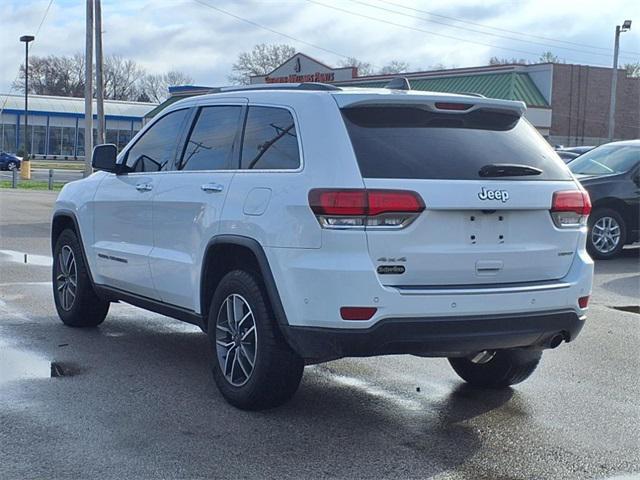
{"points": [[135, 398]]}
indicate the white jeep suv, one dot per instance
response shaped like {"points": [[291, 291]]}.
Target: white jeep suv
{"points": [[304, 222]]}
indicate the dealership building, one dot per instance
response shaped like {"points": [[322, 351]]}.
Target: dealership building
{"points": [[568, 104], [56, 124]]}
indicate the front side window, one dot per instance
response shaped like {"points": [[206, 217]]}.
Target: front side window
{"points": [[155, 150], [211, 143], [270, 140]]}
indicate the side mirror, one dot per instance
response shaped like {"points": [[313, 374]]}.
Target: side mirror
{"points": [[104, 157]]}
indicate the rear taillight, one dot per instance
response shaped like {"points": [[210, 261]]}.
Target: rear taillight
{"points": [[570, 208], [357, 208]]}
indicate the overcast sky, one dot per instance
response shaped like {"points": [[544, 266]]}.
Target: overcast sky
{"points": [[186, 35]]}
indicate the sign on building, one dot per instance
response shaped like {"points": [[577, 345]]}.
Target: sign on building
{"points": [[301, 68]]}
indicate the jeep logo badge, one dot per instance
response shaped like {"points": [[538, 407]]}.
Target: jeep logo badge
{"points": [[501, 195]]}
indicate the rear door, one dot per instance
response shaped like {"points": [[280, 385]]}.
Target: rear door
{"points": [[483, 223]]}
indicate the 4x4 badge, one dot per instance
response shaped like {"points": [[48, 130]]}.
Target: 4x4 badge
{"points": [[501, 195]]}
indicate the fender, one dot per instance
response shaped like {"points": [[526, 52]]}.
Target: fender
{"points": [[72, 216], [265, 270]]}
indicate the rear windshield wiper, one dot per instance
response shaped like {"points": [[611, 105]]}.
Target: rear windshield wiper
{"points": [[508, 170]]}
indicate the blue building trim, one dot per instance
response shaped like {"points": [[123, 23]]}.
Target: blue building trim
{"points": [[73, 115]]}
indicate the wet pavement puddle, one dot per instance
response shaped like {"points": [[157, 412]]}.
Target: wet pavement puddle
{"points": [[22, 365]]}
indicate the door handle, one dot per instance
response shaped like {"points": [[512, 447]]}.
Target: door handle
{"points": [[144, 187], [211, 187]]}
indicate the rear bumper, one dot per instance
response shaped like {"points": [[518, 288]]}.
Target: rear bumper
{"points": [[435, 336]]}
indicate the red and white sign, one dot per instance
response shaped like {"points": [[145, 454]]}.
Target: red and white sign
{"points": [[301, 68]]}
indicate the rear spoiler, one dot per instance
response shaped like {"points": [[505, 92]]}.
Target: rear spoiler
{"points": [[454, 104]]}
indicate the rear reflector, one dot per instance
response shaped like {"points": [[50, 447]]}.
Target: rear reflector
{"points": [[357, 313], [452, 106], [570, 208], [583, 302], [349, 208]]}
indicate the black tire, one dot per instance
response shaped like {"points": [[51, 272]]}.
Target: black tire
{"points": [[85, 309], [601, 214], [277, 369], [507, 367]]}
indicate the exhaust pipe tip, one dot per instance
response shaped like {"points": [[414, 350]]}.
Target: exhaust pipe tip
{"points": [[556, 340]]}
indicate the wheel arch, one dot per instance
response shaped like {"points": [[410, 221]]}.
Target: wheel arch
{"points": [[63, 219], [227, 252]]}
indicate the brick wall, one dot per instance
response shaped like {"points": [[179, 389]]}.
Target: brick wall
{"points": [[580, 103]]}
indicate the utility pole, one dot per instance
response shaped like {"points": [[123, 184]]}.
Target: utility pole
{"points": [[99, 74], [614, 78], [25, 170], [88, 91]]}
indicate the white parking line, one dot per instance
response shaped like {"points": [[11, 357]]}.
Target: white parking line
{"points": [[31, 259]]}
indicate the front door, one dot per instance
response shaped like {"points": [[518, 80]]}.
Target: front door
{"points": [[123, 227], [188, 202]]}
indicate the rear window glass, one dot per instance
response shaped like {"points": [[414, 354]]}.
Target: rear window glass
{"points": [[409, 142]]}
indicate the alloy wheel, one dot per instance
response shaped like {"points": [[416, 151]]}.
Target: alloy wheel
{"points": [[12, 166], [605, 235], [236, 340], [67, 278]]}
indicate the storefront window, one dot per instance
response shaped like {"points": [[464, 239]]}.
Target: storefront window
{"points": [[68, 140], [8, 137], [55, 141]]}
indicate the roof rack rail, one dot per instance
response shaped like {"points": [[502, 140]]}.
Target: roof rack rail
{"points": [[308, 86], [399, 83]]}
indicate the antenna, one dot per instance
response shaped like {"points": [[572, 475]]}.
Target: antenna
{"points": [[398, 83]]}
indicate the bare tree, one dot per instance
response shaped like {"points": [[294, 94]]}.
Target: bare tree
{"points": [[549, 57], [632, 69], [121, 77], [507, 61], [52, 75], [394, 66], [155, 87], [364, 68], [259, 61]]}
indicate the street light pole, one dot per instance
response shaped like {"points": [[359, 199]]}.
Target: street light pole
{"points": [[614, 78], [25, 171]]}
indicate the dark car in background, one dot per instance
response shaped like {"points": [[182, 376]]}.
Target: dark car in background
{"points": [[9, 161], [577, 150], [567, 156], [611, 175]]}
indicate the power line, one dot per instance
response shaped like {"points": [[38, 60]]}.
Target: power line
{"points": [[467, 29], [416, 29], [264, 27], [503, 29]]}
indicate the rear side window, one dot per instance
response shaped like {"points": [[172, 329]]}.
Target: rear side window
{"points": [[211, 141], [156, 149], [270, 140], [409, 142]]}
